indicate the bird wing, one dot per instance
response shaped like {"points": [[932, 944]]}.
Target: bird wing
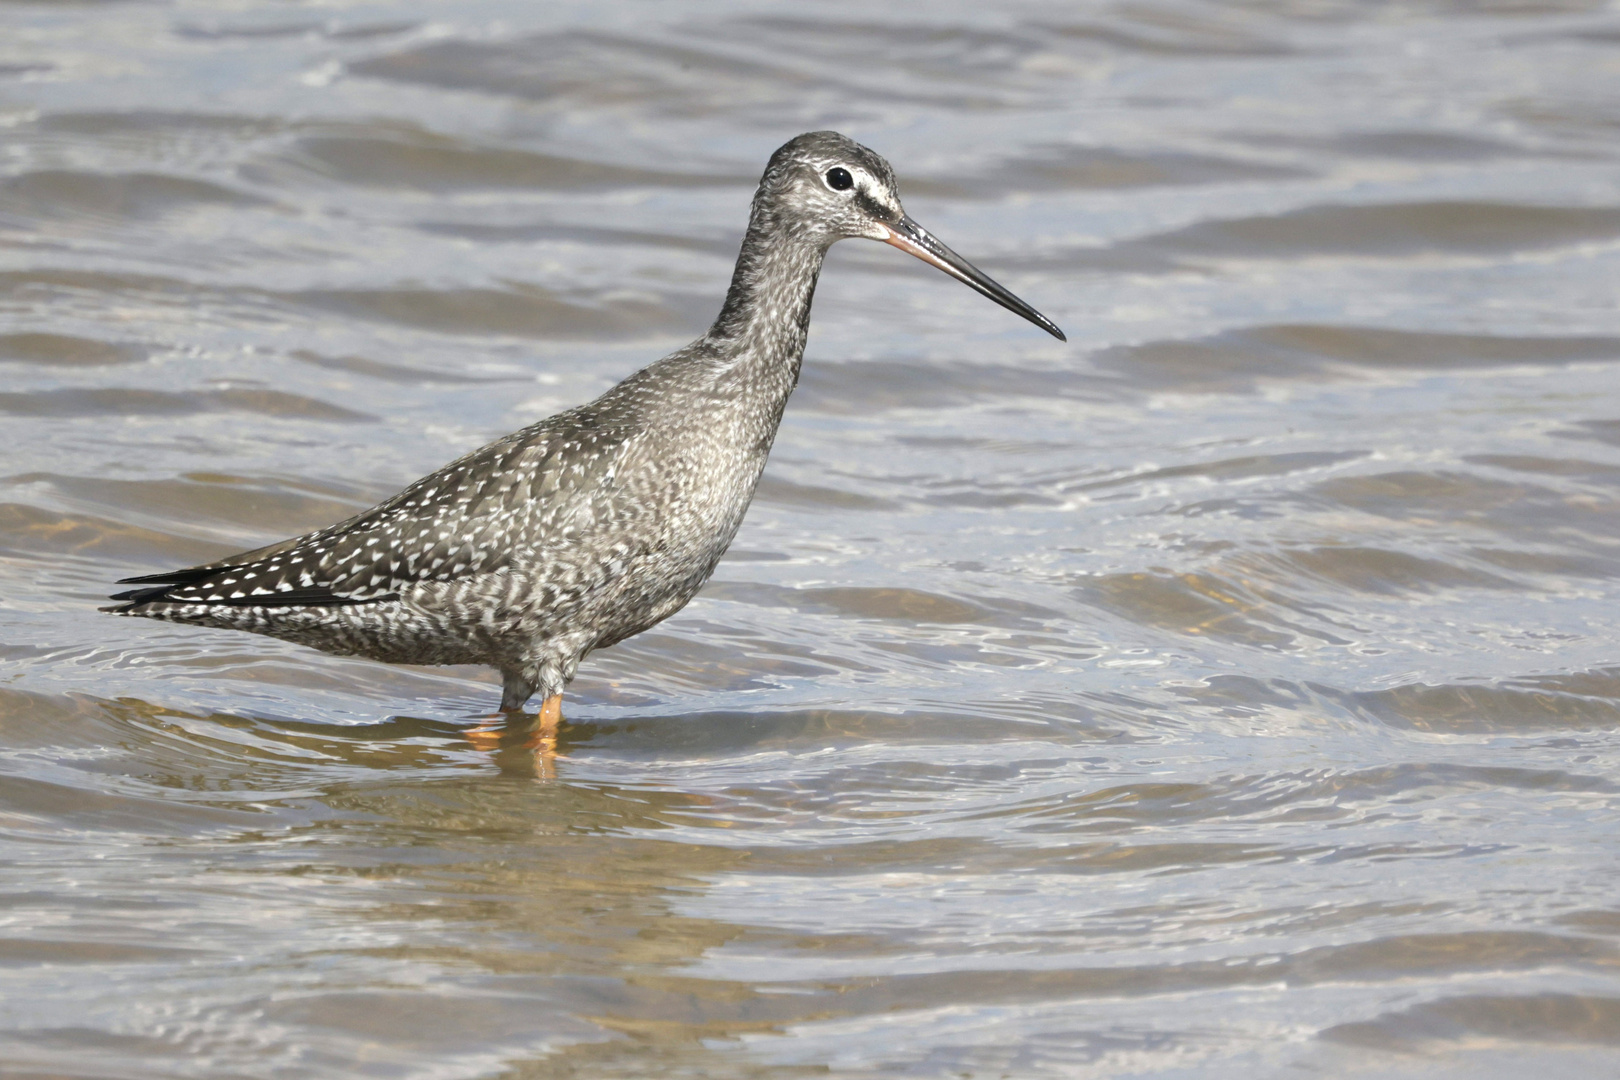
{"points": [[476, 515]]}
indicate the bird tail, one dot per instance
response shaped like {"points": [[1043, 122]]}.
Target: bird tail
{"points": [[157, 587]]}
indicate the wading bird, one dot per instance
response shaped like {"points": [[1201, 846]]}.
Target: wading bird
{"points": [[596, 523]]}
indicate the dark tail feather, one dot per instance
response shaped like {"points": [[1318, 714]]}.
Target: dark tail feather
{"points": [[160, 587], [173, 577], [139, 596]]}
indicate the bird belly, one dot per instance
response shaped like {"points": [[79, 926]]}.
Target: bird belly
{"points": [[388, 630]]}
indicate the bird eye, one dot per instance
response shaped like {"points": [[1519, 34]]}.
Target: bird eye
{"points": [[839, 179]]}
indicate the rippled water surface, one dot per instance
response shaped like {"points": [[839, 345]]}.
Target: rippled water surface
{"points": [[1232, 692]]}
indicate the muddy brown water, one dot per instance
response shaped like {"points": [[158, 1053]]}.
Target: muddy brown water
{"points": [[1231, 692]]}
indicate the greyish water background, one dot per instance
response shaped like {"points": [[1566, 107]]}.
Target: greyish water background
{"points": [[1232, 692]]}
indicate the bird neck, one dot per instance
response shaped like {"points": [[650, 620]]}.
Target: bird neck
{"points": [[766, 316]]}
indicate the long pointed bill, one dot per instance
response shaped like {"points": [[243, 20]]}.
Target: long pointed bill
{"points": [[913, 239]]}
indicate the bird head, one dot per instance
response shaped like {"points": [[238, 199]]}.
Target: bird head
{"points": [[824, 187]]}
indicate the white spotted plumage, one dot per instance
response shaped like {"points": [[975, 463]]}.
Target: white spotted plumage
{"points": [[589, 526]]}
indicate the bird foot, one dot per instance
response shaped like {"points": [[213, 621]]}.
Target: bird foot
{"points": [[540, 733]]}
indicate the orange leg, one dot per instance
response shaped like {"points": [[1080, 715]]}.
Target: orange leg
{"points": [[550, 717], [543, 740], [542, 737]]}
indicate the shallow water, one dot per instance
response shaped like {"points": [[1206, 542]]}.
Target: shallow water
{"points": [[1231, 692]]}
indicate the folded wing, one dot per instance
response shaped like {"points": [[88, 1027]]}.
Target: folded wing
{"points": [[474, 516]]}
